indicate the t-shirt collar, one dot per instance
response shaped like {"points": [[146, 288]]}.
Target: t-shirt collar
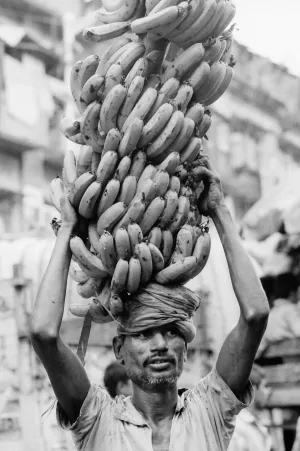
{"points": [[125, 410]]}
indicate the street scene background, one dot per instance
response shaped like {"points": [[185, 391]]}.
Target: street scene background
{"points": [[254, 143]]}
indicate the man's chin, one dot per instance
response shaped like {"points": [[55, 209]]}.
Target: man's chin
{"points": [[151, 380]]}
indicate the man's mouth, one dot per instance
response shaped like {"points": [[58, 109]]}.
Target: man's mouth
{"points": [[160, 361]]}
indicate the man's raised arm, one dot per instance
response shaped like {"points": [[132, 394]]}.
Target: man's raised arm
{"points": [[238, 351], [66, 373]]}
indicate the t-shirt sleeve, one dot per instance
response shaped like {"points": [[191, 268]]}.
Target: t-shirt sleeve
{"points": [[222, 405], [97, 400]]}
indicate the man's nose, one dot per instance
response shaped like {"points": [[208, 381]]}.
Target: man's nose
{"points": [[158, 343]]}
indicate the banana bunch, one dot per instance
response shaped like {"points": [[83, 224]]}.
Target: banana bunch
{"points": [[139, 133]]}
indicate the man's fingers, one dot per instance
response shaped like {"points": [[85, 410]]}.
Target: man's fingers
{"points": [[201, 173]]}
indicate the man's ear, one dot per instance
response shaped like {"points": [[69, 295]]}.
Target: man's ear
{"points": [[118, 349]]}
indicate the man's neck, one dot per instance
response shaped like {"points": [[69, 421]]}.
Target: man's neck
{"points": [[155, 405]]}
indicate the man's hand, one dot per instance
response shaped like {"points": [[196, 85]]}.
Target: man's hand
{"points": [[69, 218], [212, 196]]}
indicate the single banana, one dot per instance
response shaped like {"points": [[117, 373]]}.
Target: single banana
{"points": [[96, 158], [162, 5], [159, 19], [128, 189], [104, 295], [222, 88], [110, 217], [144, 255], [87, 69], [79, 310], [170, 163], [196, 113], [173, 272], [89, 126], [109, 196], [148, 173], [162, 179], [134, 213], [131, 137], [139, 69], [166, 246], [191, 151], [113, 77], [204, 125], [87, 261], [198, 24], [225, 20], [119, 280], [174, 184], [115, 57], [69, 127], [125, 12], [142, 108], [196, 9], [79, 188], [138, 164], [88, 289], [112, 141], [156, 124], [94, 236], [212, 49], [167, 136], [109, 53], [74, 83], [157, 258], [201, 252], [152, 214], [166, 93], [184, 136], [123, 169], [122, 244], [134, 275], [107, 167], [56, 192], [111, 106], [171, 199], [131, 99], [183, 97], [70, 166], [188, 226], [184, 62], [199, 76], [129, 57], [84, 160], [183, 247], [155, 236], [135, 235], [147, 192], [107, 252], [181, 215], [87, 206], [76, 273], [105, 32]]}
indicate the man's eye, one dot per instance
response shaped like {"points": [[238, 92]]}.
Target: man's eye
{"points": [[172, 333]]}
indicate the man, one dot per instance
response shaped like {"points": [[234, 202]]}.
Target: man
{"points": [[116, 380], [250, 434], [157, 417], [284, 319]]}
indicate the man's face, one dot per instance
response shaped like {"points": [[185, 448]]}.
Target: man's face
{"points": [[155, 357]]}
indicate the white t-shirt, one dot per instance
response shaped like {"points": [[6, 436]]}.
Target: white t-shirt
{"points": [[204, 420]]}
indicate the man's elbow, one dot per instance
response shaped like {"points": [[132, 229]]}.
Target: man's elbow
{"points": [[40, 335], [258, 315]]}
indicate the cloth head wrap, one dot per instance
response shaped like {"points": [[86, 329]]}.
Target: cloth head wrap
{"points": [[155, 306]]}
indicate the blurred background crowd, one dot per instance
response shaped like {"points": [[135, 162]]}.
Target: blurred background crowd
{"points": [[254, 143]]}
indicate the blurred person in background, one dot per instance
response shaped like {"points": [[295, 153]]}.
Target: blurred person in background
{"points": [[116, 380], [250, 434], [284, 319]]}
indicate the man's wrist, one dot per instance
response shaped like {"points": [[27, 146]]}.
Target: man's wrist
{"points": [[219, 211], [66, 230]]}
